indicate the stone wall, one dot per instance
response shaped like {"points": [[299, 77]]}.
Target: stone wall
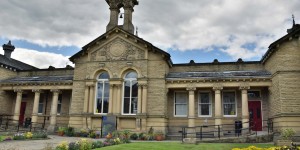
{"points": [[284, 99], [5, 96]]}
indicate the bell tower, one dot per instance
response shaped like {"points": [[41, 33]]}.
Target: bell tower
{"points": [[114, 6]]}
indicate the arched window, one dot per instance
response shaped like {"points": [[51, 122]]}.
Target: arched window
{"points": [[102, 99], [130, 93]]}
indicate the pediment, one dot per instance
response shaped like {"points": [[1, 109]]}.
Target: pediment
{"points": [[117, 49]]}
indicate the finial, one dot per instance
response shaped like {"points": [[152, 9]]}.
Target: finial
{"points": [[9, 43], [293, 20]]}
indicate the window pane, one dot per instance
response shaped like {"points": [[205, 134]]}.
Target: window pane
{"points": [[205, 109], [229, 109], [180, 109], [181, 97], [99, 105], [100, 89], [106, 89], [204, 97], [131, 75], [105, 107], [127, 89], [126, 105], [229, 97], [134, 89], [181, 103], [104, 75], [58, 108], [41, 105], [253, 94], [134, 106]]}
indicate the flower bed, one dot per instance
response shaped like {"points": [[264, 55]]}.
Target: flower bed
{"points": [[270, 148], [86, 144]]}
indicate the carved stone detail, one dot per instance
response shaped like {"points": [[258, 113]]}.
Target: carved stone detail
{"points": [[118, 50]]}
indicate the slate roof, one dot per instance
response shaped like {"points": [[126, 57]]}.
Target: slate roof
{"points": [[219, 75], [15, 64], [39, 79], [293, 32]]}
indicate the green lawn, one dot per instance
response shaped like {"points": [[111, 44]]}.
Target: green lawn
{"points": [[179, 146]]}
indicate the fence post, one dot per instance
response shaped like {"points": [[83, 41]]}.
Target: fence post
{"points": [[201, 133], [219, 131]]}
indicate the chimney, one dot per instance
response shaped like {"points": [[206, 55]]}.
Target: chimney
{"points": [[8, 49], [114, 6]]}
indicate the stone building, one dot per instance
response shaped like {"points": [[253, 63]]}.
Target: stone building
{"points": [[123, 76]]}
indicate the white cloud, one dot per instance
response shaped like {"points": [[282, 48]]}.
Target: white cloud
{"points": [[41, 59], [178, 24]]}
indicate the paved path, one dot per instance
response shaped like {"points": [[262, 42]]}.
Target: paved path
{"points": [[37, 144]]}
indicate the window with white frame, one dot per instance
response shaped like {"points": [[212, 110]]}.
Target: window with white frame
{"points": [[204, 109], [41, 105], [180, 104], [102, 99], [59, 102], [229, 104], [130, 91]]}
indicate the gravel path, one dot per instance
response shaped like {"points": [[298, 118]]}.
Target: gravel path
{"points": [[37, 144]]}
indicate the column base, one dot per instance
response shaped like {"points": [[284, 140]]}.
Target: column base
{"points": [[138, 124], [190, 140], [51, 129]]}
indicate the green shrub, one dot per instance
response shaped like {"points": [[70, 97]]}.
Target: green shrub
{"points": [[19, 136], [74, 146], [85, 144], [39, 135], [134, 136], [62, 146], [287, 133], [70, 131], [97, 144]]}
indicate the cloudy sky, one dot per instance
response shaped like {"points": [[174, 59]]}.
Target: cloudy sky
{"points": [[49, 32]]}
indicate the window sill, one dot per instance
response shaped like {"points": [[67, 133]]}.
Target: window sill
{"points": [[230, 116]]}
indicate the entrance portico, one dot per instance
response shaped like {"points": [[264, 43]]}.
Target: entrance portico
{"points": [[229, 101]]}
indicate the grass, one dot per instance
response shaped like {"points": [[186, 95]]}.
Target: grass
{"points": [[180, 146]]}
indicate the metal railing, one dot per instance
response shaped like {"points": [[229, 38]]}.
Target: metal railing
{"points": [[9, 125], [226, 130]]}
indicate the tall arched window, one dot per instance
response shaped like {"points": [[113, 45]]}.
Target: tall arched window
{"points": [[130, 93], [102, 99]]}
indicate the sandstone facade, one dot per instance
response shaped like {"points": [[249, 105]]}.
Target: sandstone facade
{"points": [[162, 95]]}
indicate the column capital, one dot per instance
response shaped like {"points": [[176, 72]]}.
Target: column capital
{"points": [[218, 88], [244, 87], [55, 91], [36, 90], [18, 90], [191, 88]]}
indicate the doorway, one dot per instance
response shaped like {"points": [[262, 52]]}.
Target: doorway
{"points": [[22, 113], [255, 115]]}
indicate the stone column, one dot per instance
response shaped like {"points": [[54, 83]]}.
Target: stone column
{"points": [[53, 113], [139, 111], [34, 116], [144, 107], [128, 26], [114, 12], [145, 96], [17, 106], [191, 115], [118, 98], [245, 109], [111, 97], [218, 109], [85, 106], [91, 105]]}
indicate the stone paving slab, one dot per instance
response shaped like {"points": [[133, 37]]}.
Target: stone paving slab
{"points": [[38, 144]]}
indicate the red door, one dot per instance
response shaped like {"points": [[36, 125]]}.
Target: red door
{"points": [[255, 115], [22, 112]]}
